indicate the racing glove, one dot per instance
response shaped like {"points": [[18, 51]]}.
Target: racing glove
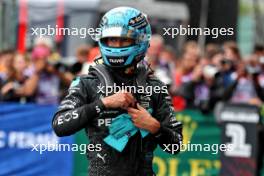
{"points": [[121, 129], [121, 125], [119, 144]]}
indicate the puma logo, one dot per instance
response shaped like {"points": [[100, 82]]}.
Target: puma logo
{"points": [[102, 157]]}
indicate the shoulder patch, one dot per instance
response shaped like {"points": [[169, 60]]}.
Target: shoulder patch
{"points": [[75, 82]]}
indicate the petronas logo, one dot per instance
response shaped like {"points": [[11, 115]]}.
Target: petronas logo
{"points": [[189, 127]]}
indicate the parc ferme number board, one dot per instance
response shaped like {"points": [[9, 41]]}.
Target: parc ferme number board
{"points": [[239, 129]]}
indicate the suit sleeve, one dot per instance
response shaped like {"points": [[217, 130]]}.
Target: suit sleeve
{"points": [[170, 133], [75, 110]]}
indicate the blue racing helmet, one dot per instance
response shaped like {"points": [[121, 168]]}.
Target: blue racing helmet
{"points": [[128, 23]]}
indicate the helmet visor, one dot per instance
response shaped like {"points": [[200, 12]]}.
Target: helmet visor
{"points": [[123, 32], [117, 42]]}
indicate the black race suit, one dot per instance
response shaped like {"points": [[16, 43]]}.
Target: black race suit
{"points": [[82, 108]]}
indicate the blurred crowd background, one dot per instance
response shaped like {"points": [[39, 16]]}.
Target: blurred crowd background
{"points": [[199, 72], [195, 78]]}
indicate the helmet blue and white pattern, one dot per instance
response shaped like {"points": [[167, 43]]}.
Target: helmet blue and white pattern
{"points": [[125, 22]]}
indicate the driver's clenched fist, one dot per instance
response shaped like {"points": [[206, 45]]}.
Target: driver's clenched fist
{"points": [[119, 100]]}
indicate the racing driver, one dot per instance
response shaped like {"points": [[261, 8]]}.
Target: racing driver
{"points": [[128, 125]]}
